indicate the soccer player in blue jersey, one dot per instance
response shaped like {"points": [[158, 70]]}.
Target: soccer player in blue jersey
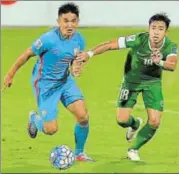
{"points": [[52, 81]]}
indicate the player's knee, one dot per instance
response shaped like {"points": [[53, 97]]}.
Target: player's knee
{"points": [[154, 122], [83, 119], [82, 115], [50, 129], [121, 118]]}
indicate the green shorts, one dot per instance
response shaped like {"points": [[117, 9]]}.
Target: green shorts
{"points": [[151, 93]]}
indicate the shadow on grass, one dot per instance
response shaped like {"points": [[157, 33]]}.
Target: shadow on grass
{"points": [[117, 166]]}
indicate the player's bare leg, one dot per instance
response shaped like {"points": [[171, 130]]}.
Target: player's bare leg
{"points": [[78, 108], [145, 134], [131, 133], [50, 127], [125, 120]]}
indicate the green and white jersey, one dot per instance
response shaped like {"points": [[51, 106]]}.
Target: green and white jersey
{"points": [[139, 66]]}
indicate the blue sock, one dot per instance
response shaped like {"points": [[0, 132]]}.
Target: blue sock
{"points": [[38, 122], [81, 134]]}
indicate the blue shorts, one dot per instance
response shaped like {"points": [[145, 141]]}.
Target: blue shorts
{"points": [[47, 99]]}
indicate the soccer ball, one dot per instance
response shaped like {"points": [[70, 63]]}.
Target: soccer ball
{"points": [[62, 157]]}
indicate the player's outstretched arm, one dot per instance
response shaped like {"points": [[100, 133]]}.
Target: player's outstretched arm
{"points": [[99, 49], [21, 60], [170, 63]]}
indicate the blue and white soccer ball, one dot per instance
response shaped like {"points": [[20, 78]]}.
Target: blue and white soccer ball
{"points": [[62, 157]]}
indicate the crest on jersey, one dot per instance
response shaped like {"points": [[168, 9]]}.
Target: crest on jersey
{"points": [[38, 44], [131, 38], [76, 51]]}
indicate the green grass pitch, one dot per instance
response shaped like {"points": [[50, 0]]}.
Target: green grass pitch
{"points": [[100, 84]]}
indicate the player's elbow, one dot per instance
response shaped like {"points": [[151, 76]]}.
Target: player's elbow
{"points": [[170, 67], [174, 67]]}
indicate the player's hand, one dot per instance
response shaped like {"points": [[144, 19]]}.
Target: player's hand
{"points": [[82, 56], [7, 81], [156, 56], [76, 68]]}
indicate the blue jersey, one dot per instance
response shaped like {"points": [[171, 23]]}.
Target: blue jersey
{"points": [[55, 54]]}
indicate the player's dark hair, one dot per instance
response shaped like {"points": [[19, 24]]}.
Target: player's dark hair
{"points": [[160, 17], [68, 8]]}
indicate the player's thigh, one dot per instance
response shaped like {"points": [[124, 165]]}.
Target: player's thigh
{"points": [[126, 101], [72, 98], [127, 96], [154, 117], [153, 97], [79, 110]]}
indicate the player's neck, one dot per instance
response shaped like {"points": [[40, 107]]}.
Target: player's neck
{"points": [[64, 36]]}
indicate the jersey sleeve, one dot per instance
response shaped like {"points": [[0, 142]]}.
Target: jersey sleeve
{"points": [[130, 41], [172, 50], [40, 45]]}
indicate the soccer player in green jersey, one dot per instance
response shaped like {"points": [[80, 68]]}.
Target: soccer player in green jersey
{"points": [[150, 53]]}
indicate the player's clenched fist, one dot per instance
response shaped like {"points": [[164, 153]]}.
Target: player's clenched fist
{"points": [[82, 56], [156, 56], [76, 68]]}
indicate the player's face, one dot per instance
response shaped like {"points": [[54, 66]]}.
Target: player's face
{"points": [[157, 31], [68, 22]]}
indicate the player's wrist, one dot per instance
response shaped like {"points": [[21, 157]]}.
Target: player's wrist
{"points": [[90, 54]]}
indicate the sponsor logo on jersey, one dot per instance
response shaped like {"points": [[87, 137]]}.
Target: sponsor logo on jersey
{"points": [[142, 54], [38, 44], [130, 38]]}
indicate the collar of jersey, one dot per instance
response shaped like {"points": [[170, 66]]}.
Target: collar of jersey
{"points": [[61, 36]]}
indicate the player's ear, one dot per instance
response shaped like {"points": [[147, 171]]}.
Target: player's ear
{"points": [[78, 21], [166, 32]]}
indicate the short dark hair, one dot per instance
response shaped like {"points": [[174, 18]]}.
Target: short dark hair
{"points": [[160, 17], [68, 8]]}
